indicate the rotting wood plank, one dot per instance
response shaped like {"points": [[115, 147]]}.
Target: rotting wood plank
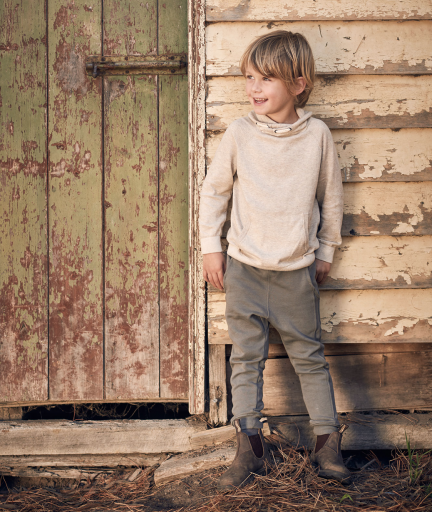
{"points": [[373, 154], [23, 220], [353, 316], [372, 431], [173, 205], [340, 47], [217, 385], [10, 413], [79, 461], [181, 467], [173, 236], [361, 382], [57, 437], [131, 209], [292, 10], [350, 101], [74, 201]]}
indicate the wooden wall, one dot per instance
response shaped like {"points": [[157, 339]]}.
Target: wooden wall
{"points": [[374, 91]]}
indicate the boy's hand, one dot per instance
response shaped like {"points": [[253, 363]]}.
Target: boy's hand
{"points": [[322, 270], [214, 266]]}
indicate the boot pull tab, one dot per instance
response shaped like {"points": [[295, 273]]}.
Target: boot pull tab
{"points": [[342, 428]]}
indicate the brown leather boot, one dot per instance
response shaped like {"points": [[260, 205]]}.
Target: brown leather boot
{"points": [[245, 463], [329, 458]]}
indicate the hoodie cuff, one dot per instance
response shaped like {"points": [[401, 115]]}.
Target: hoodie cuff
{"points": [[211, 244], [325, 253]]}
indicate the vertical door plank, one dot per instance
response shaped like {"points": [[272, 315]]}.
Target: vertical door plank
{"points": [[131, 250], [23, 247], [75, 203], [173, 206], [131, 195]]}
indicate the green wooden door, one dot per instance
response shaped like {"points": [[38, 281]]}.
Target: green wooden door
{"points": [[94, 234]]}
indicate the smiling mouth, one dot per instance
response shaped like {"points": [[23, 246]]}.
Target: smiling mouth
{"points": [[259, 101]]}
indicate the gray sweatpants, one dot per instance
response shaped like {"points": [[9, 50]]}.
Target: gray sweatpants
{"points": [[289, 300]]}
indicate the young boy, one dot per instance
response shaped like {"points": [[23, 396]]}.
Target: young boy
{"points": [[280, 166]]}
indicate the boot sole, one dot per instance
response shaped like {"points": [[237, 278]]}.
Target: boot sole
{"points": [[340, 477], [246, 481]]}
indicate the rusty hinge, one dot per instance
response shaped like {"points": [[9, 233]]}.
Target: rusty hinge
{"points": [[136, 65]]}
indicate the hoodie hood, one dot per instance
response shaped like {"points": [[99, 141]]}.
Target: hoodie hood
{"points": [[267, 125]]}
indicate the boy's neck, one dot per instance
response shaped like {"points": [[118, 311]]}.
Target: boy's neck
{"points": [[285, 117]]}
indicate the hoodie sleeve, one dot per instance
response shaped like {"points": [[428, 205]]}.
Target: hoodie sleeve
{"points": [[216, 193], [330, 199]]}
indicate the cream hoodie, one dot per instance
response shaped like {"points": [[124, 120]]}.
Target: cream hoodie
{"points": [[287, 193]]}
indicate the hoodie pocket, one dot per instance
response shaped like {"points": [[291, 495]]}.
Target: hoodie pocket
{"points": [[275, 238]]}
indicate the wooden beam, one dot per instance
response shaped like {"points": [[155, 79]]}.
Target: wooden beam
{"points": [[339, 47], [217, 385], [197, 127], [292, 10], [372, 431], [362, 382], [96, 437], [350, 101], [79, 461], [177, 468]]}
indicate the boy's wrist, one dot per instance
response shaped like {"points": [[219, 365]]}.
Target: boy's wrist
{"points": [[325, 253], [211, 244]]}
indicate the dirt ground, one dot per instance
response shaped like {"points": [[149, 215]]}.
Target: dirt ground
{"points": [[382, 481]]}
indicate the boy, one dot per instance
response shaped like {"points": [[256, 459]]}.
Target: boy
{"points": [[281, 167]]}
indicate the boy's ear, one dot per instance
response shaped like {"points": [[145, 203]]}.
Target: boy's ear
{"points": [[300, 84]]}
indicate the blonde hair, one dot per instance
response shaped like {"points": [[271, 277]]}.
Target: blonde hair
{"points": [[284, 55]]}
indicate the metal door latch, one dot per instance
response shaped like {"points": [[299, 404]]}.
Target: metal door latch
{"points": [[136, 65]]}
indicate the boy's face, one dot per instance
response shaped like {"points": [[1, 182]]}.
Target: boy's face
{"points": [[269, 96]]}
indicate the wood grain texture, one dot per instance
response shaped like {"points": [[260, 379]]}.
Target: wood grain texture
{"points": [[180, 467], [381, 262], [131, 251], [217, 385], [361, 382], [371, 431], [196, 150], [75, 210], [350, 101], [23, 217], [353, 47], [290, 10], [56, 437], [373, 154], [353, 316], [129, 30], [387, 209], [173, 206]]}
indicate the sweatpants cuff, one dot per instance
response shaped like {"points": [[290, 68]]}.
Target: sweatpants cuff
{"points": [[249, 422], [325, 429]]}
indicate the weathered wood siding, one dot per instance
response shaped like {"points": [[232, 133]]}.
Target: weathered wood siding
{"points": [[374, 91]]}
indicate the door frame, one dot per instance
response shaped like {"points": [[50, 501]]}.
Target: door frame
{"points": [[197, 154]]}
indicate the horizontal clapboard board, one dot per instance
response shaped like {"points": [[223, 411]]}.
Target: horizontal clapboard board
{"points": [[351, 47], [275, 10], [346, 101]]}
